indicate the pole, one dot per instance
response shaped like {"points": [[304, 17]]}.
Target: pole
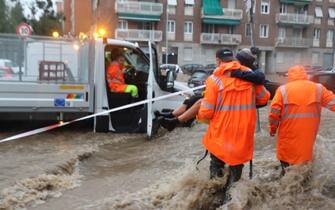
{"points": [[252, 23], [166, 35], [252, 39], [333, 50]]}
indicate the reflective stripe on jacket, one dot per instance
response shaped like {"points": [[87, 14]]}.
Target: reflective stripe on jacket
{"points": [[230, 106], [296, 111], [115, 77]]}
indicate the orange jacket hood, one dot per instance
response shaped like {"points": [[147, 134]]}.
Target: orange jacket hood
{"points": [[297, 73]]}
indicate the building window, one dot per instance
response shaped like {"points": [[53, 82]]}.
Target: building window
{"points": [[265, 7], [172, 10], [318, 12], [231, 30], [172, 4], [188, 54], [188, 31], [264, 31], [188, 10], [281, 32], [315, 58], [248, 29], [189, 7], [331, 12], [122, 24], [330, 38], [297, 33], [171, 26], [280, 57], [283, 9], [147, 26], [209, 28], [188, 27], [330, 35], [317, 33], [232, 4]]}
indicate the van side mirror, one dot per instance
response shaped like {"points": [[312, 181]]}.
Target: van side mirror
{"points": [[170, 79]]}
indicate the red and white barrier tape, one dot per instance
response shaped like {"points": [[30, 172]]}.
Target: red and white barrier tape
{"points": [[61, 124]]}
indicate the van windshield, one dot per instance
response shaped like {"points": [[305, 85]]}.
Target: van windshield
{"points": [[137, 60]]}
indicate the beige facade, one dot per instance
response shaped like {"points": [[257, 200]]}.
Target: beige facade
{"points": [[288, 32]]}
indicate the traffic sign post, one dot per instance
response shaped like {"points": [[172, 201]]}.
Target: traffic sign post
{"points": [[24, 30]]}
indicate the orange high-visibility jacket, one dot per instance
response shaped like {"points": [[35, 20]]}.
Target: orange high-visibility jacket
{"points": [[229, 105], [296, 111], [115, 77]]}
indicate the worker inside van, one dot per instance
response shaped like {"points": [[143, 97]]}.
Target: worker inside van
{"points": [[115, 77]]}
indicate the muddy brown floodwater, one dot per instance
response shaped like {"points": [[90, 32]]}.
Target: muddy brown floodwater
{"points": [[73, 168]]}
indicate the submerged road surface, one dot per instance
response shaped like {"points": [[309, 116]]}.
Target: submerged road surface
{"points": [[73, 168]]}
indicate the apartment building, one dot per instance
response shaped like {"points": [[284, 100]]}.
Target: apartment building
{"points": [[287, 31], [78, 16]]}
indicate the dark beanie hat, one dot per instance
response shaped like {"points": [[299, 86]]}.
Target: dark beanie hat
{"points": [[225, 54], [246, 58]]}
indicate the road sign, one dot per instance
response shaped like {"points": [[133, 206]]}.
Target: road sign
{"points": [[24, 30]]}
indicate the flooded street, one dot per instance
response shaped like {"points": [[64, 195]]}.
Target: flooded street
{"points": [[74, 168]]}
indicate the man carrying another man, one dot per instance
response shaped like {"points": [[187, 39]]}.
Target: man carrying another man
{"points": [[229, 106], [189, 109]]}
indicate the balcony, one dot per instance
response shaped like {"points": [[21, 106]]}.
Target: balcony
{"points": [[296, 2], [293, 42], [138, 35], [294, 19], [229, 17], [139, 11], [220, 39]]}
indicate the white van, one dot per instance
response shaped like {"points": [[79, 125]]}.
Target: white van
{"points": [[72, 83]]}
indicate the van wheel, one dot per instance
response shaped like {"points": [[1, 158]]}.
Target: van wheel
{"points": [[102, 124]]}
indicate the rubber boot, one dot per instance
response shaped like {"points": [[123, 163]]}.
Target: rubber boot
{"points": [[164, 114], [169, 123]]}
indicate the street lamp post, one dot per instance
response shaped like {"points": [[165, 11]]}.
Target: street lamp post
{"points": [[166, 35]]}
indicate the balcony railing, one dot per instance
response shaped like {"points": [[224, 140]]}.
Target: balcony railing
{"points": [[137, 7], [298, 19], [224, 39], [232, 14], [295, 42], [138, 35]]}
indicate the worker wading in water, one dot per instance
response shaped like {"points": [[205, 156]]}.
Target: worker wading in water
{"points": [[295, 112], [189, 109], [229, 106]]}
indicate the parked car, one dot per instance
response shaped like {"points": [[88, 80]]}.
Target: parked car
{"points": [[198, 78], [326, 78], [190, 68], [210, 67], [6, 72], [309, 69], [6, 63], [173, 67]]}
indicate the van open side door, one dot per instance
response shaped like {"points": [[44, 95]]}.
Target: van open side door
{"points": [[150, 91]]}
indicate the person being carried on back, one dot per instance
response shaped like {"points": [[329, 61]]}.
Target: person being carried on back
{"points": [[229, 107], [248, 71]]}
